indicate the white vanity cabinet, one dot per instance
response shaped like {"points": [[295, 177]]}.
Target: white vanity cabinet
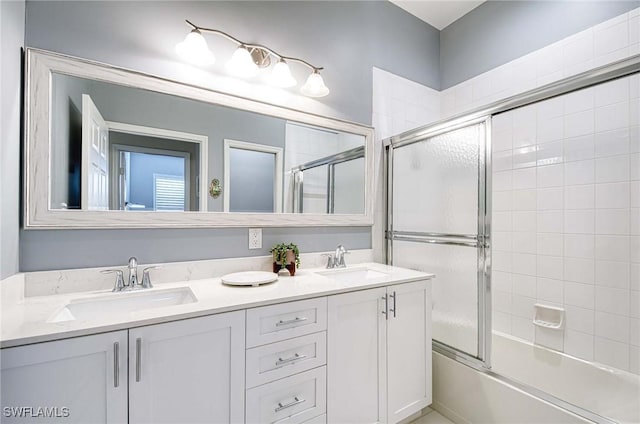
{"points": [[379, 354], [189, 371], [80, 380]]}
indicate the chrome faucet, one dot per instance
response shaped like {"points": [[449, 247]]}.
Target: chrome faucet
{"points": [[133, 272], [337, 259], [132, 282]]}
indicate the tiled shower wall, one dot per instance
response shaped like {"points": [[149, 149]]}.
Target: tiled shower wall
{"points": [[566, 221]]}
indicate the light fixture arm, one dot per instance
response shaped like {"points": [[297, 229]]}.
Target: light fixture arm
{"points": [[253, 46]]}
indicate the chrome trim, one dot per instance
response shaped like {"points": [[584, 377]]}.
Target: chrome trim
{"points": [[280, 362], [388, 161], [116, 364], [434, 241], [355, 153], [331, 184], [138, 359], [435, 235], [484, 297], [291, 321], [290, 404]]}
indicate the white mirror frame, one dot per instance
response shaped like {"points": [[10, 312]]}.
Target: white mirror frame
{"points": [[41, 64]]}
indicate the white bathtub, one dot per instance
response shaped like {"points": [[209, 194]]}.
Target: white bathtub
{"points": [[595, 387]]}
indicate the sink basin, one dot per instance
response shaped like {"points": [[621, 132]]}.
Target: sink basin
{"points": [[122, 303], [356, 274]]}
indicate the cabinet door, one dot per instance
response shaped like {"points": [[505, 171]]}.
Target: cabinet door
{"points": [[356, 358], [408, 350], [189, 371], [79, 380]]}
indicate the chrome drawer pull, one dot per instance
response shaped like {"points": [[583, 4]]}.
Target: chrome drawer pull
{"points": [[116, 364], [289, 405], [291, 321], [138, 358], [294, 358]]}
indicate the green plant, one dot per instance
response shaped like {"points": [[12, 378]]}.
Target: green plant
{"points": [[279, 252]]}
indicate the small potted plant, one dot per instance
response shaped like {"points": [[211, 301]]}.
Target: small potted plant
{"points": [[285, 255]]}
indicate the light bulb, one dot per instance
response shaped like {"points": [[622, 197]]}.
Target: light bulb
{"points": [[281, 75], [241, 64], [194, 49], [314, 87]]}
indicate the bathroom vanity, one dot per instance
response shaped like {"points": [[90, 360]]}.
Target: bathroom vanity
{"points": [[348, 345]]}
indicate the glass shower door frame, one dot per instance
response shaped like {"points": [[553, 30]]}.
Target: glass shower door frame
{"points": [[479, 241]]}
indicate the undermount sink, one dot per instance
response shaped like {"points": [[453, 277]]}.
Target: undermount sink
{"points": [[356, 274], [122, 303]]}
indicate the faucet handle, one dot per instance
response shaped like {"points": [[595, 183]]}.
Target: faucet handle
{"points": [[146, 279], [119, 286], [330, 259]]}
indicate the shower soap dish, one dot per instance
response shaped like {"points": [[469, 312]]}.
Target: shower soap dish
{"points": [[549, 317], [249, 278]]}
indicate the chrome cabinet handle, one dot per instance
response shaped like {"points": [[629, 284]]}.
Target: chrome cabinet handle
{"points": [[138, 358], [291, 321], [386, 306], [394, 304], [280, 362], [116, 364], [295, 402]]}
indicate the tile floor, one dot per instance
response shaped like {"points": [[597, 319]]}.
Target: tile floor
{"points": [[432, 417]]}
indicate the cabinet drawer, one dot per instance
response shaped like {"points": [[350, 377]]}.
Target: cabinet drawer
{"points": [[292, 400], [284, 321], [278, 360]]}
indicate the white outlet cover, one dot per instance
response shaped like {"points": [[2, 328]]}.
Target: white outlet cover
{"points": [[255, 238]]}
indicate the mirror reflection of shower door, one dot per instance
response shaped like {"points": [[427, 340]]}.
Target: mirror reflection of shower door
{"points": [[437, 224]]}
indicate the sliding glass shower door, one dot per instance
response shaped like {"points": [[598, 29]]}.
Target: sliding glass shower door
{"points": [[437, 224]]}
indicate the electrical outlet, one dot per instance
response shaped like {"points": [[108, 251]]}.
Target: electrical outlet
{"points": [[255, 238]]}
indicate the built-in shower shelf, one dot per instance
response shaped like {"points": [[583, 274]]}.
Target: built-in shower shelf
{"points": [[550, 317]]}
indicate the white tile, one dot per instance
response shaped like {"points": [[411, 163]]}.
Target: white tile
{"points": [[523, 263], [634, 359], [502, 200], [524, 157], [634, 304], [501, 301], [581, 123], [502, 181], [550, 175], [580, 172], [612, 353], [524, 285], [550, 153], [524, 242], [578, 48], [579, 344], [612, 274], [607, 40], [549, 59], [550, 267], [612, 327], [634, 191], [524, 126], [634, 112], [502, 221], [549, 222], [524, 200], [634, 139], [612, 300], [634, 248], [549, 109], [612, 221], [612, 248], [547, 337], [579, 197], [501, 281], [580, 319], [579, 148], [522, 327], [550, 198], [550, 290], [579, 221], [612, 143], [579, 294], [501, 321], [612, 195], [634, 29], [634, 86], [634, 166], [612, 169], [579, 246], [523, 221], [502, 241], [634, 332], [502, 79], [634, 221], [522, 306], [634, 276], [579, 270], [579, 101], [612, 92], [501, 140], [502, 122], [524, 178], [481, 87], [549, 244], [612, 117]]}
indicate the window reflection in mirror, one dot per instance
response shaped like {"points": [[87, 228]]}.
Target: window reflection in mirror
{"points": [[124, 148]]}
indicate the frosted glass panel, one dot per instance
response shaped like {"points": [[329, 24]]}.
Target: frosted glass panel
{"points": [[455, 293], [435, 183], [314, 190], [348, 186]]}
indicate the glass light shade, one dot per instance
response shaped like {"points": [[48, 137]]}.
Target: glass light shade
{"points": [[314, 87], [241, 64], [194, 49], [281, 75]]}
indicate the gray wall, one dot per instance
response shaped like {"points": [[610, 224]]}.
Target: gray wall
{"points": [[11, 40], [498, 32]]}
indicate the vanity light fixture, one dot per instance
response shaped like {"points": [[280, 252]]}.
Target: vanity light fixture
{"points": [[248, 59]]}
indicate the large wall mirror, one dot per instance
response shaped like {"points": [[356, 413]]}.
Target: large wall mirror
{"points": [[107, 147]]}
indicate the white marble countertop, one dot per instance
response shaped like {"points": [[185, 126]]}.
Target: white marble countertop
{"points": [[27, 320]]}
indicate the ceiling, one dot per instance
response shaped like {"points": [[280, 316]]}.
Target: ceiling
{"points": [[438, 13]]}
